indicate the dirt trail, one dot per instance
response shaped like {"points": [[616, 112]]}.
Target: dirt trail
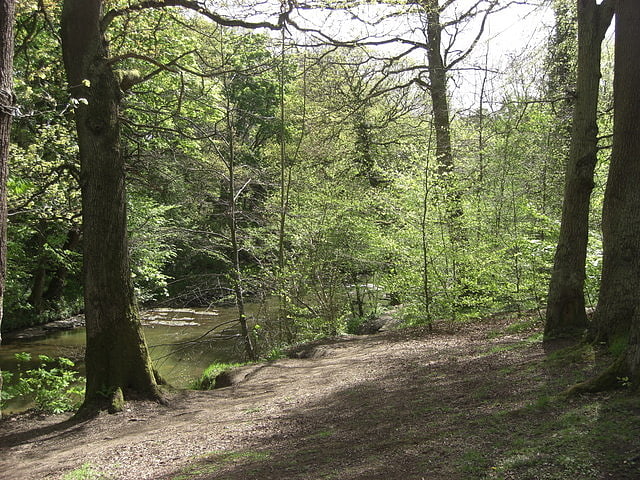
{"points": [[399, 405]]}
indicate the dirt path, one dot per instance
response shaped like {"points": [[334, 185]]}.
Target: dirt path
{"points": [[478, 402]]}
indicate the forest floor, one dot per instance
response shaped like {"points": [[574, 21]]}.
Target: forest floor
{"points": [[467, 401]]}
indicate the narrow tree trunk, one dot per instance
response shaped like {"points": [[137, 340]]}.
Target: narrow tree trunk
{"points": [[7, 14], [285, 183], [233, 233], [117, 359], [565, 304], [620, 284]]}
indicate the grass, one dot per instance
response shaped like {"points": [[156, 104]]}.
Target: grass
{"points": [[523, 325], [211, 462], [85, 472], [555, 438], [561, 442], [474, 462], [321, 434], [580, 353], [550, 436], [207, 380]]}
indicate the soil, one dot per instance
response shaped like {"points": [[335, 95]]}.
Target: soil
{"points": [[475, 400]]}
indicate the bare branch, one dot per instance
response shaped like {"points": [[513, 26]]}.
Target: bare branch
{"points": [[200, 8]]}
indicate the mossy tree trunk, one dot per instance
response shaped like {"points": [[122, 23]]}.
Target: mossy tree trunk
{"points": [[7, 14], [620, 284], [565, 303], [117, 359], [618, 311]]}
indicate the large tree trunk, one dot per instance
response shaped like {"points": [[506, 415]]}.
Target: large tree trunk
{"points": [[619, 288], [618, 312], [565, 304], [117, 359], [7, 13]]}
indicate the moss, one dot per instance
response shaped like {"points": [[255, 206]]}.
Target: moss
{"points": [[618, 345], [207, 380], [582, 352], [612, 378], [116, 403]]}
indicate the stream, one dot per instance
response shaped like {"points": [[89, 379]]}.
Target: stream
{"points": [[182, 343]]}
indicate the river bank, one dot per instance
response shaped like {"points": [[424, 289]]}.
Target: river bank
{"points": [[182, 343], [39, 331], [473, 401]]}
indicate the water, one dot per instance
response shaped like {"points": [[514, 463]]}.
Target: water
{"points": [[182, 343]]}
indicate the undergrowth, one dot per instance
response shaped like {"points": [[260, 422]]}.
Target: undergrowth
{"points": [[207, 380]]}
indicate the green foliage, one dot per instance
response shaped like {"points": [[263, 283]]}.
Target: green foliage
{"points": [[85, 472], [207, 380], [151, 246], [275, 353], [365, 204], [6, 393], [55, 385], [353, 324]]}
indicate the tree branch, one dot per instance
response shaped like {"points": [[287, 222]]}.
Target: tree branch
{"points": [[198, 7]]}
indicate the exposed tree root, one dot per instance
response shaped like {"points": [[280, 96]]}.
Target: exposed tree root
{"points": [[615, 377]]}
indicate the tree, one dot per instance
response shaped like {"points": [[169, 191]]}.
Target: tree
{"points": [[117, 359], [618, 310], [7, 100], [620, 282], [565, 304], [438, 89], [43, 193]]}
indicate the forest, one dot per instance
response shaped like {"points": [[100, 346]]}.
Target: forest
{"points": [[316, 169]]}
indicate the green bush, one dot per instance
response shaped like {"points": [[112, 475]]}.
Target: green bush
{"points": [[55, 385], [354, 323], [207, 380]]}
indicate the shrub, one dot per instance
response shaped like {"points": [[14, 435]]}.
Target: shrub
{"points": [[207, 380], [55, 385]]}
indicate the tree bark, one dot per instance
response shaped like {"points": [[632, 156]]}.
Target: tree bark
{"points": [[117, 359], [438, 89], [7, 100], [7, 16], [565, 303], [442, 123], [620, 284]]}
